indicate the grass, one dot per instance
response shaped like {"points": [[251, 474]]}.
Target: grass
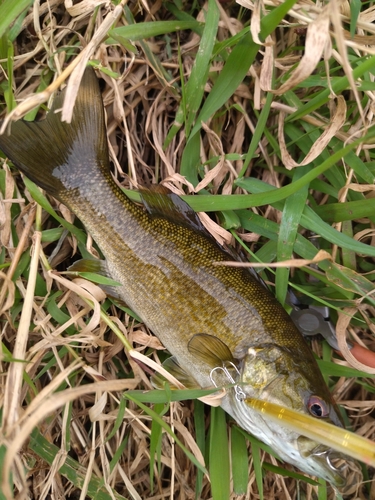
{"points": [[187, 89]]}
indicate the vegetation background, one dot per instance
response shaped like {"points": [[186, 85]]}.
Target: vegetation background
{"points": [[216, 98]]}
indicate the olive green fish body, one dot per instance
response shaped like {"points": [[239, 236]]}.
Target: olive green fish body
{"points": [[177, 289], [207, 316]]}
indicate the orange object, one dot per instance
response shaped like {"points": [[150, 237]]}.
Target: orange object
{"points": [[363, 355]]}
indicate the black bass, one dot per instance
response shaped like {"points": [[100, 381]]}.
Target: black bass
{"points": [[221, 324]]}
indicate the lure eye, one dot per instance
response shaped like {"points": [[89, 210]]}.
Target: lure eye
{"points": [[317, 407]]}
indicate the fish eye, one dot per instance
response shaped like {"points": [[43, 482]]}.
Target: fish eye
{"points": [[317, 407]]}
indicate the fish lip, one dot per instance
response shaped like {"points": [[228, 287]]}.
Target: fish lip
{"points": [[326, 458]]}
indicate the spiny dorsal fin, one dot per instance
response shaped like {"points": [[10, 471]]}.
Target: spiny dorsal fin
{"points": [[161, 202], [210, 350], [53, 153]]}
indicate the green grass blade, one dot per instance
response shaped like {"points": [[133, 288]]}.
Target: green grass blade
{"points": [[3, 451], [337, 87], [166, 396], [7, 46], [199, 72], [240, 461], [310, 220], [200, 439], [232, 74], [288, 473], [292, 213], [238, 63], [155, 442], [71, 469], [10, 10], [357, 165], [270, 22], [355, 9], [351, 210], [235, 202], [335, 370], [45, 204], [96, 278], [322, 490], [141, 31], [119, 418], [166, 427], [219, 455], [118, 453], [349, 258], [350, 280], [257, 464], [258, 133]]}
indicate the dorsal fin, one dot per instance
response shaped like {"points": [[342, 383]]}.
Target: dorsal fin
{"points": [[53, 153], [161, 202]]}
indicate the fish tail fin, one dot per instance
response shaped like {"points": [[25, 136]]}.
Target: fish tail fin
{"points": [[57, 155]]}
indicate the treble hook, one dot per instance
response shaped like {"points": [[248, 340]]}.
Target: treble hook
{"points": [[330, 455], [240, 395]]}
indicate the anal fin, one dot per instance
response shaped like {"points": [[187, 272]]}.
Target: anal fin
{"points": [[97, 270]]}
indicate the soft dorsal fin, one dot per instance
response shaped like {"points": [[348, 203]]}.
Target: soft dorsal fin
{"points": [[54, 154], [161, 202], [209, 349]]}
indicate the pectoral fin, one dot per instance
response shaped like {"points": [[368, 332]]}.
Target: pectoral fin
{"points": [[210, 350]]}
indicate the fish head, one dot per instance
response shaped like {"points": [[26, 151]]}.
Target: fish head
{"points": [[283, 376], [272, 373]]}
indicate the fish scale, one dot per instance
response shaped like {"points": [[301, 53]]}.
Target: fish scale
{"points": [[206, 315]]}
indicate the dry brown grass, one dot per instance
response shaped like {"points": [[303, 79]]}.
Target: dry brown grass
{"points": [[76, 349]]}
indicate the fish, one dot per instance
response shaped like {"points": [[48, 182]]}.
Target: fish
{"points": [[221, 325]]}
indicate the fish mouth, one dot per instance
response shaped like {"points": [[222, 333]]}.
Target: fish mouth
{"points": [[307, 454], [328, 463], [333, 463]]}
